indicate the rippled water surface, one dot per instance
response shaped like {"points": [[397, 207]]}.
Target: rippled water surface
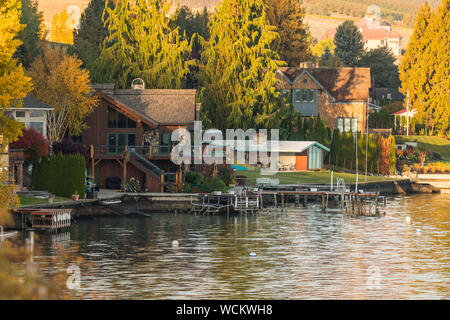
{"points": [[301, 255]]}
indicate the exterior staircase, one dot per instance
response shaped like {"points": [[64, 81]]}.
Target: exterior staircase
{"points": [[154, 174]]}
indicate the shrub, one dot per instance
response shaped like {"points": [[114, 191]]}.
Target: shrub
{"points": [[68, 147], [133, 185], [187, 188], [33, 143], [226, 174], [193, 177], [217, 184], [60, 174]]}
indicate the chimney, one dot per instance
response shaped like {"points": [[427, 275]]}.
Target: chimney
{"points": [[138, 84]]}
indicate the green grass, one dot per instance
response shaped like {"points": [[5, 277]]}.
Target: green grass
{"points": [[429, 143], [309, 177], [24, 200]]}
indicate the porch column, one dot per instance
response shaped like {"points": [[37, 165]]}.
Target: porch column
{"points": [[20, 175]]}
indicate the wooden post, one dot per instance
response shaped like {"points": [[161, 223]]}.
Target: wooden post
{"points": [[162, 181], [150, 151], [92, 165], [125, 160], [20, 175]]}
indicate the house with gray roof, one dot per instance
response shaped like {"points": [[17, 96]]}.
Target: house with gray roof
{"points": [[33, 114]]}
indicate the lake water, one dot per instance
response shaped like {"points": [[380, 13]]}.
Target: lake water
{"points": [[301, 255]]}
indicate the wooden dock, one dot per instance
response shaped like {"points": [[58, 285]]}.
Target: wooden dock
{"points": [[228, 202], [357, 203], [48, 219]]}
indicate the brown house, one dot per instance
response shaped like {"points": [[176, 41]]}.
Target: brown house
{"points": [[141, 122], [338, 95]]}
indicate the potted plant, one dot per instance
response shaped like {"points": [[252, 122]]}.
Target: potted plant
{"points": [[50, 198], [75, 196]]}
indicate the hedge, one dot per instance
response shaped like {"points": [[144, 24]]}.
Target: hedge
{"points": [[60, 174]]}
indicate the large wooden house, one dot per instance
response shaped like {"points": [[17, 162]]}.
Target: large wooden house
{"points": [[130, 132]]}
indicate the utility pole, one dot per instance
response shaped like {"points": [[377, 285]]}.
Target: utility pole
{"points": [[356, 142], [367, 132]]}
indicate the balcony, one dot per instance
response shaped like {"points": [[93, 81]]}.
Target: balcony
{"points": [[114, 151]]}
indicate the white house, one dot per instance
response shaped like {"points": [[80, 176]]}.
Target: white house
{"points": [[33, 113]]}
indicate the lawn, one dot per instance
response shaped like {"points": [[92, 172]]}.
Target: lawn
{"points": [[24, 200], [309, 177], [434, 144]]}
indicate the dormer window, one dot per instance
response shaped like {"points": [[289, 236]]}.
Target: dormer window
{"points": [[304, 95]]}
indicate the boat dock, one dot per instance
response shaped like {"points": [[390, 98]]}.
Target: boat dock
{"points": [[46, 219]]}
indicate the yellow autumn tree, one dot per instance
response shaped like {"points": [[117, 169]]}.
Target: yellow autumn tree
{"points": [[60, 81], [61, 32], [14, 85]]}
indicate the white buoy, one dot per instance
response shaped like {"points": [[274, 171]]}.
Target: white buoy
{"points": [[408, 220], [175, 243], [252, 254], [418, 230]]}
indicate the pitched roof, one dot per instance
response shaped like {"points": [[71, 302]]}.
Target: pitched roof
{"points": [[164, 106], [30, 102], [283, 146], [343, 84]]}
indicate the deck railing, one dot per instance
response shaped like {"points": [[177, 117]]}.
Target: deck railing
{"points": [[155, 150]]}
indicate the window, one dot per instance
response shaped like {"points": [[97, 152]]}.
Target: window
{"points": [[20, 114], [347, 124], [119, 120], [36, 114], [166, 138], [304, 95], [39, 126], [117, 141]]}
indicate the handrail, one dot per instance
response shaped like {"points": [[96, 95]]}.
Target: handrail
{"points": [[154, 168]]}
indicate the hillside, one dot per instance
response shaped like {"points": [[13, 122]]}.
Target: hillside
{"points": [[321, 14]]}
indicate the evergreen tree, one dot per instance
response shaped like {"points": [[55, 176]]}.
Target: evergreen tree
{"points": [[413, 72], [191, 23], [14, 85], [295, 41], [88, 39], [319, 49], [438, 59], [424, 71], [32, 18], [140, 44], [239, 67], [329, 60], [349, 44], [381, 62]]}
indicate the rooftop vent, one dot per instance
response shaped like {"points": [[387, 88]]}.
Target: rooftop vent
{"points": [[138, 84]]}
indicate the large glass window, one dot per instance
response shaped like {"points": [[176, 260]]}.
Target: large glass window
{"points": [[119, 120], [39, 126], [117, 141], [347, 124]]}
